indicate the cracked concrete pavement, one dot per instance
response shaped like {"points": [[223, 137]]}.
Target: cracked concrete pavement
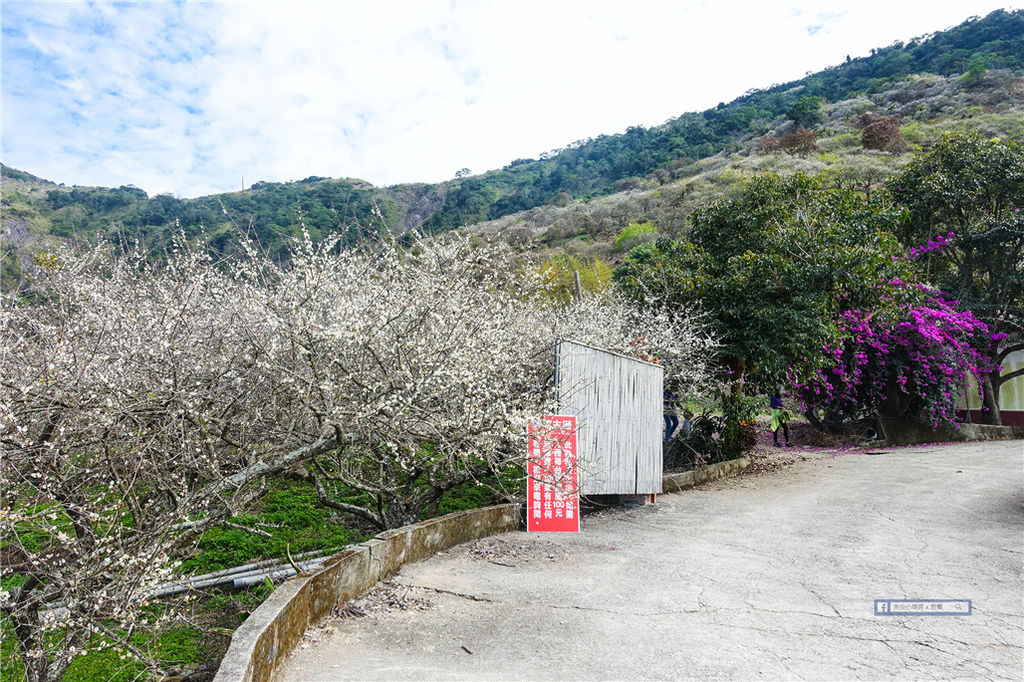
{"points": [[770, 575]]}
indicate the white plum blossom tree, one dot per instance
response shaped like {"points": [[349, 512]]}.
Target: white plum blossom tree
{"points": [[142, 403]]}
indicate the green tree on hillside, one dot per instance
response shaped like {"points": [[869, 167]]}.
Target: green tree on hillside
{"points": [[559, 273], [634, 234], [807, 111], [975, 71], [773, 268]]}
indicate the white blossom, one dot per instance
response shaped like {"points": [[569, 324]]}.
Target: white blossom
{"points": [[142, 403]]}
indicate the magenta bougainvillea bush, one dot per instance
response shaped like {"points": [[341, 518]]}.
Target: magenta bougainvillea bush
{"points": [[911, 364]]}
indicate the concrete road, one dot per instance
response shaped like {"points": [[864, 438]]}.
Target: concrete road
{"points": [[770, 575]]}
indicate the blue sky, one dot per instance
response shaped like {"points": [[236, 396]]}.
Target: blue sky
{"points": [[196, 98]]}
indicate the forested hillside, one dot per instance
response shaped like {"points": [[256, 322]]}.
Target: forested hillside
{"points": [[591, 168], [973, 70], [912, 114]]}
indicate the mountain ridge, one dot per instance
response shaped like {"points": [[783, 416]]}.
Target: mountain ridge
{"points": [[580, 172]]}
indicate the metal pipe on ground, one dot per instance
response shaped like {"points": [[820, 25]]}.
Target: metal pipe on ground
{"points": [[239, 580], [281, 574], [229, 575]]}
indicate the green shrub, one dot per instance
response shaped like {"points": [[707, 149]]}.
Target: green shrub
{"points": [[841, 142], [510, 483], [634, 234], [557, 272]]}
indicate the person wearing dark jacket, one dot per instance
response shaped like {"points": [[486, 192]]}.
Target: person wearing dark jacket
{"points": [[670, 407], [780, 418]]}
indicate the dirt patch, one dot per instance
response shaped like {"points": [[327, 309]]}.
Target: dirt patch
{"points": [[760, 466], [510, 552], [391, 597]]}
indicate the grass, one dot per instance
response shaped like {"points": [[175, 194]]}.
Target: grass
{"points": [[177, 647], [291, 516], [188, 647]]}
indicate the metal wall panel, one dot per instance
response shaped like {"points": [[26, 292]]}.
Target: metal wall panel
{"points": [[617, 401]]}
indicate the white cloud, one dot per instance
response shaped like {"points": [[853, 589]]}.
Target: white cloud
{"points": [[192, 98]]}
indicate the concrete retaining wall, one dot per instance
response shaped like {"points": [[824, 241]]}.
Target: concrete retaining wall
{"points": [[899, 432], [273, 629], [673, 483]]}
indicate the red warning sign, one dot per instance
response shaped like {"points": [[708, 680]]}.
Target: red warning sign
{"points": [[553, 499]]}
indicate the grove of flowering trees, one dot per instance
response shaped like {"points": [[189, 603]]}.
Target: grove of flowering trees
{"points": [[143, 403]]}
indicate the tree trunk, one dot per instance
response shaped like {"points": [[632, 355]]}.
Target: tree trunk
{"points": [[737, 371], [398, 513], [36, 669], [27, 631], [990, 402], [897, 402], [812, 416]]}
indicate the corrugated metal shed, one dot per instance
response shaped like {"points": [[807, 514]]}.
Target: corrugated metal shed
{"points": [[617, 401]]}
